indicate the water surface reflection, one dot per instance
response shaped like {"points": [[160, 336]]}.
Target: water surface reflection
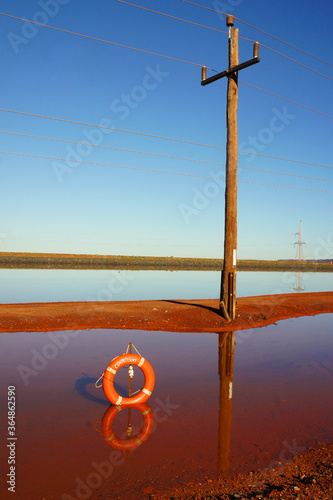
{"points": [[266, 379], [226, 374], [54, 285]]}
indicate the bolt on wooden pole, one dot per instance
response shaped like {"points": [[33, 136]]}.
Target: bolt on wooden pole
{"points": [[228, 278]]}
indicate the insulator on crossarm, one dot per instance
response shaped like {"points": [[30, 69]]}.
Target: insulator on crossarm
{"points": [[256, 49]]}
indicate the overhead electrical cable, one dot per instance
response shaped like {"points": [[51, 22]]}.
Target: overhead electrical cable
{"points": [[285, 173], [173, 17], [110, 128], [288, 100], [261, 31], [101, 40], [104, 164], [287, 57], [296, 62], [207, 8], [156, 171], [67, 141], [286, 43], [285, 187], [285, 159], [226, 33], [126, 150], [155, 53], [160, 137]]}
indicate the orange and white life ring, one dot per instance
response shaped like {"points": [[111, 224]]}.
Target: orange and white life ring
{"points": [[123, 360], [127, 444]]}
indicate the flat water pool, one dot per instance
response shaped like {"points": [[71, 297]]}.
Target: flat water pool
{"points": [[275, 389], [54, 285]]}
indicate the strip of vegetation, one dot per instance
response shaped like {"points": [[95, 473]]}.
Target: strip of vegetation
{"points": [[10, 260]]}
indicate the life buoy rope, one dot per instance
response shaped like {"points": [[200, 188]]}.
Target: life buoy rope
{"points": [[127, 444], [111, 370]]}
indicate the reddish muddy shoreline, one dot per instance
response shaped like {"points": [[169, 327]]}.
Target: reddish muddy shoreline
{"points": [[308, 476], [161, 315]]}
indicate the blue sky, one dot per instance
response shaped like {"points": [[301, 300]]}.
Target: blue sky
{"points": [[49, 205]]}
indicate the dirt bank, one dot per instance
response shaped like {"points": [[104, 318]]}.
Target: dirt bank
{"points": [[22, 260], [163, 315], [309, 476]]}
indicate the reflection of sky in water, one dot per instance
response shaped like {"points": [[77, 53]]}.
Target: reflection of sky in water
{"points": [[31, 285], [282, 399]]}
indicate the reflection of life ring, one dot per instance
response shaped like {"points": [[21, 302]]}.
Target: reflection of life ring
{"points": [[128, 359], [127, 444]]}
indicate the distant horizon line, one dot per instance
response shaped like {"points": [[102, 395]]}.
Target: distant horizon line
{"points": [[105, 256]]}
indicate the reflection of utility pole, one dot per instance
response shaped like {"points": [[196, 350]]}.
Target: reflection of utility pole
{"points": [[226, 371], [228, 279], [130, 376]]}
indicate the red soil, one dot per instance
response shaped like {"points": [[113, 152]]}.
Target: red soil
{"points": [[308, 477], [163, 315]]}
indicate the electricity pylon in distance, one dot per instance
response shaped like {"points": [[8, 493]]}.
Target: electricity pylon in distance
{"points": [[299, 243]]}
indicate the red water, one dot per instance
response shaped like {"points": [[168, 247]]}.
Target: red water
{"points": [[282, 404]]}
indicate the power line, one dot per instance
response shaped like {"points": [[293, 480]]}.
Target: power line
{"points": [[261, 31], [207, 8], [226, 33], [157, 136], [105, 164], [109, 128], [286, 187], [156, 171], [286, 173], [285, 159], [297, 62], [174, 17], [288, 58], [286, 43], [113, 147], [288, 100], [101, 40], [166, 156], [155, 53]]}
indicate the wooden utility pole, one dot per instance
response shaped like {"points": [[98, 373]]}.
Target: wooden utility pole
{"points": [[228, 279]]}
